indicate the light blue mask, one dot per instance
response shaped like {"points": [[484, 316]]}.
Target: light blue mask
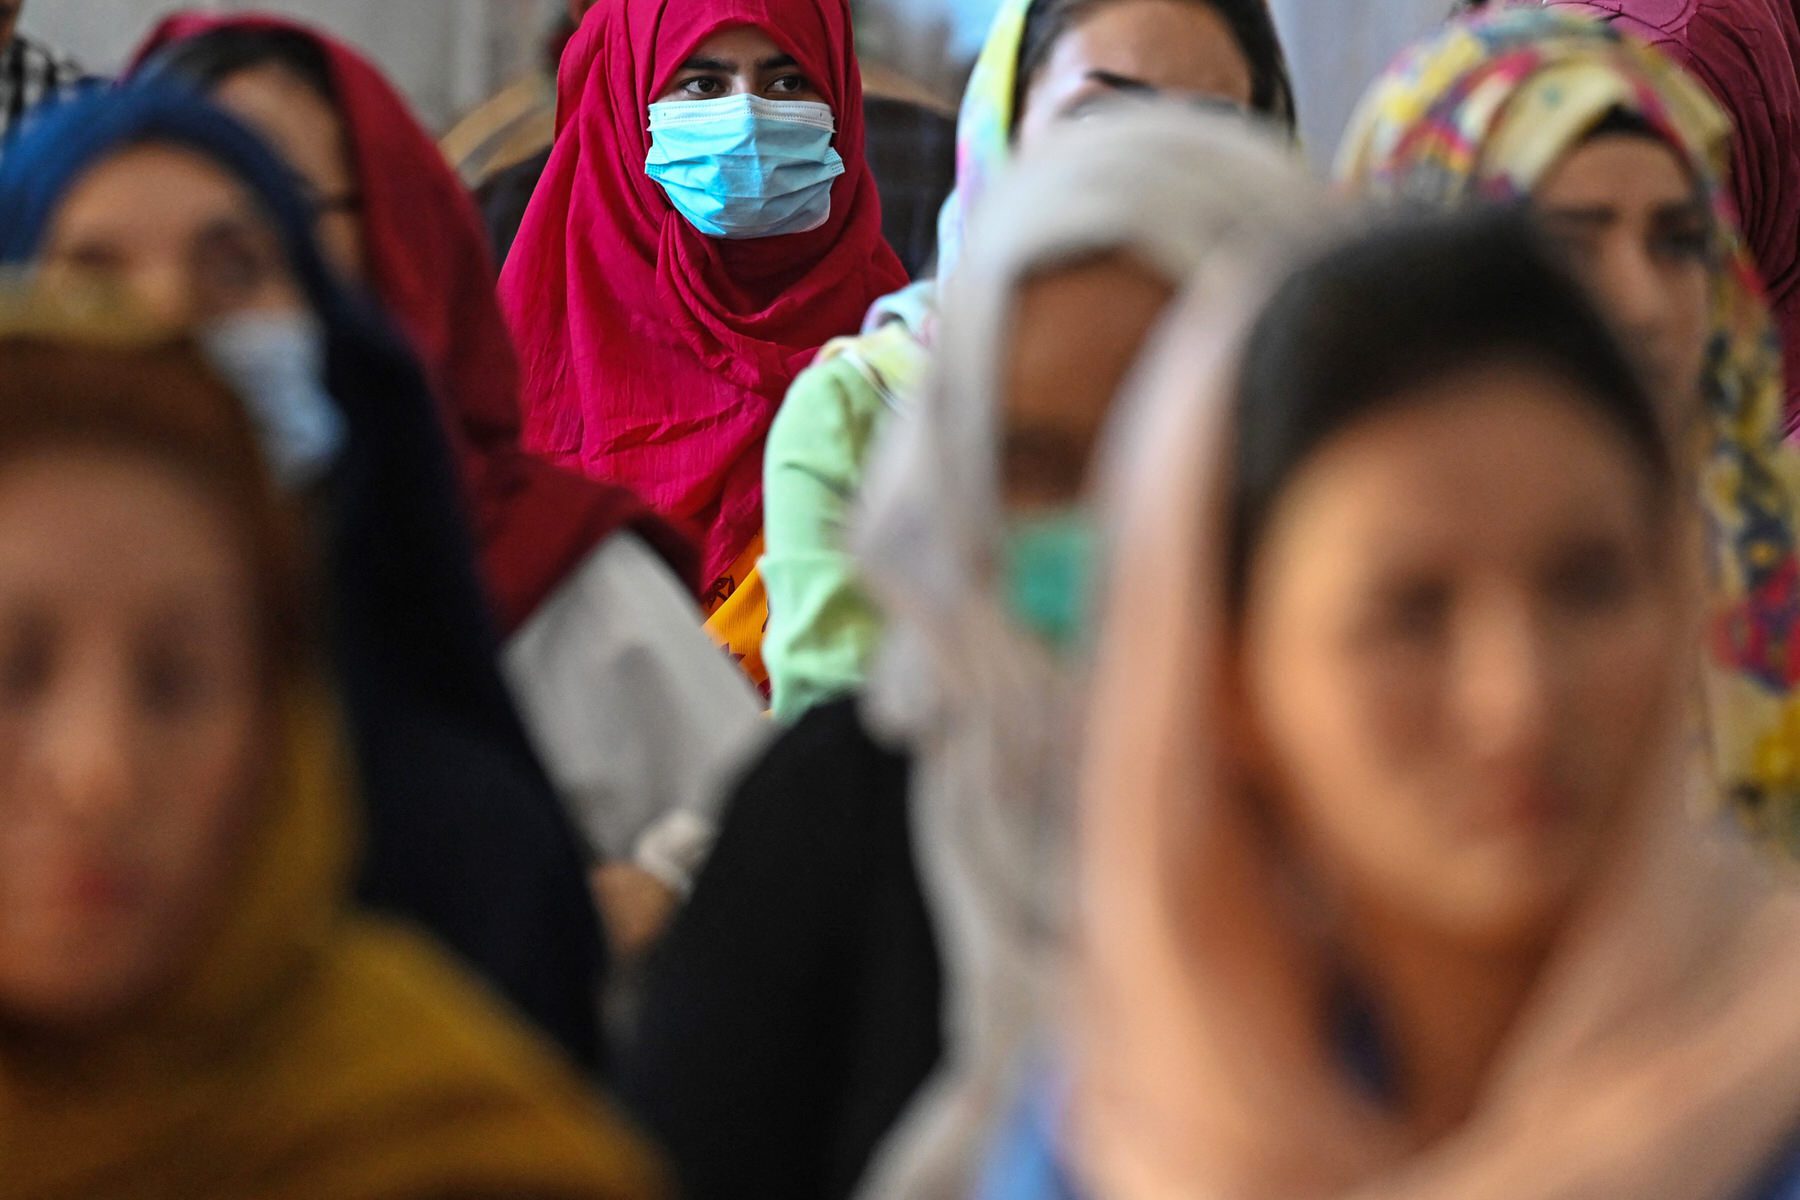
{"points": [[745, 167], [1047, 574], [276, 364]]}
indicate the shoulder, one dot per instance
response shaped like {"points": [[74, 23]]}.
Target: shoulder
{"points": [[406, 1072], [832, 397]]}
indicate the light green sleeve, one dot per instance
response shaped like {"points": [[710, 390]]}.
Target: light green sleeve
{"points": [[822, 627]]}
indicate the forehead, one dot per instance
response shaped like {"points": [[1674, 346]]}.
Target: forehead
{"points": [[1076, 328], [740, 42], [1619, 169], [1175, 45], [1478, 464], [146, 194], [66, 511]]}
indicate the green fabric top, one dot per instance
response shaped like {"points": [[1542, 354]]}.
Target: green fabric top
{"points": [[822, 628]]}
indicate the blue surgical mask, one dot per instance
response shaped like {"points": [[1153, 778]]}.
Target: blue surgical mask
{"points": [[1046, 573], [276, 364], [745, 167]]}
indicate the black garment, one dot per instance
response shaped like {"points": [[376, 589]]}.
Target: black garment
{"points": [[463, 834], [911, 151], [793, 1011], [505, 196]]}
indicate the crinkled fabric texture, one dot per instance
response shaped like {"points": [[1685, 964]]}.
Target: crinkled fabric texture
{"points": [[1480, 113]]}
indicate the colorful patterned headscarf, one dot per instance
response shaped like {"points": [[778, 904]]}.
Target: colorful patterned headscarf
{"points": [[1481, 112], [984, 126], [983, 147]]}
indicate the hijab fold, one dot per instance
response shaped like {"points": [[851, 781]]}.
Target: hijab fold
{"points": [[428, 263], [655, 357]]}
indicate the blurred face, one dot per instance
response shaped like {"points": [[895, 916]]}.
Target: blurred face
{"points": [[742, 61], [9, 20], [1076, 334], [176, 233], [1638, 231], [305, 129], [1456, 651], [130, 716], [1136, 47]]}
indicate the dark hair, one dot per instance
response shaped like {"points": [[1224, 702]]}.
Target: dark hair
{"points": [[209, 59], [1271, 91], [1398, 308], [1622, 122]]}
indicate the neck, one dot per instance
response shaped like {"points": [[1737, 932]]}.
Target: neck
{"points": [[1447, 1007]]}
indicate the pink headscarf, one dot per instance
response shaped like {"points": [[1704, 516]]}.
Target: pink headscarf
{"points": [[655, 357], [1654, 1060]]}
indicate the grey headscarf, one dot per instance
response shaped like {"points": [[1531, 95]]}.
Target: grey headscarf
{"points": [[991, 717]]}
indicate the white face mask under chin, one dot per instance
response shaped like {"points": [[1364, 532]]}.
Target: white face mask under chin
{"points": [[276, 364]]}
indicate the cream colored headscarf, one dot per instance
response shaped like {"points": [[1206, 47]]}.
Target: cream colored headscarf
{"points": [[1656, 1059], [987, 711]]}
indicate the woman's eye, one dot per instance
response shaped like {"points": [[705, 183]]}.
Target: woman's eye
{"points": [[704, 85], [170, 684], [1414, 615], [1685, 245], [26, 664], [1595, 581], [789, 85]]}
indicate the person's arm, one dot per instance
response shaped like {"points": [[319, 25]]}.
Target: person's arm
{"points": [[822, 626]]}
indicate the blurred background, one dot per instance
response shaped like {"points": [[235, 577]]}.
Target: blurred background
{"points": [[449, 55]]}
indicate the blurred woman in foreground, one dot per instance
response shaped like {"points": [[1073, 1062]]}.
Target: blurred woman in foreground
{"points": [[187, 1005], [1387, 880], [1622, 159], [153, 193]]}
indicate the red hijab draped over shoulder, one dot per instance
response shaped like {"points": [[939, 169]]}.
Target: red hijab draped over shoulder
{"points": [[655, 357], [429, 265]]}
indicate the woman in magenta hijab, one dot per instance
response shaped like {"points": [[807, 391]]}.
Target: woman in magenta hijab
{"points": [[706, 222]]}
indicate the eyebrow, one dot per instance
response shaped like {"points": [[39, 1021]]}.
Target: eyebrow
{"points": [[1693, 208], [1593, 215], [1123, 83], [1596, 215], [774, 62]]}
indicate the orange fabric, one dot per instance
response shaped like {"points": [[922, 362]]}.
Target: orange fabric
{"points": [[737, 613]]}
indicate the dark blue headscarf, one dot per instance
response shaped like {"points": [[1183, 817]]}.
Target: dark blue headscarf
{"points": [[464, 835]]}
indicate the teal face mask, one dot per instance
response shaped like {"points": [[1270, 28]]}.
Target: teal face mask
{"points": [[1046, 572], [745, 167]]}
